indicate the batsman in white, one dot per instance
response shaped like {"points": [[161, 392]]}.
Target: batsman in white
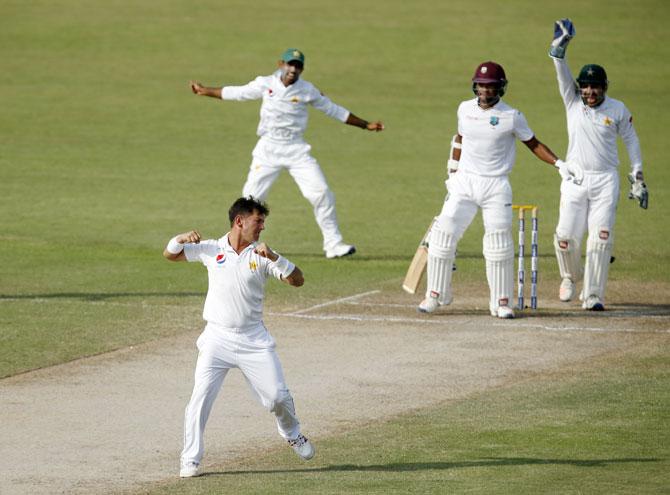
{"points": [[594, 122], [281, 145], [238, 266], [482, 156]]}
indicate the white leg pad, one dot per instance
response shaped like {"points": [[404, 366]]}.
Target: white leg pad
{"points": [[568, 254], [598, 254], [499, 255], [441, 254]]}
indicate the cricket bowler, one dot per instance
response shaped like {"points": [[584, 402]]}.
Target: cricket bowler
{"points": [[238, 265]]}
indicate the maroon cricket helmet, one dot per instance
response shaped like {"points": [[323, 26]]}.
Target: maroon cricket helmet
{"points": [[490, 73]]}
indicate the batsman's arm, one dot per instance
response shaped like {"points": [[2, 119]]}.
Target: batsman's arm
{"points": [[364, 124], [174, 251], [541, 151], [454, 154]]}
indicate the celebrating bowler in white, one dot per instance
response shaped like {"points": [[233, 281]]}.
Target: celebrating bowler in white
{"points": [[283, 122], [238, 266], [594, 122], [482, 156]]}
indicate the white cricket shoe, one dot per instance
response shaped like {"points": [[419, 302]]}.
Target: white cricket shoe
{"points": [[428, 305], [504, 312], [189, 470], [593, 303], [432, 302], [340, 250], [567, 290], [302, 447]]}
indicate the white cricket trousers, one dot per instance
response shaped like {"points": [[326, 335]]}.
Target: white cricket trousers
{"points": [[270, 157], [467, 193], [253, 353], [591, 204]]}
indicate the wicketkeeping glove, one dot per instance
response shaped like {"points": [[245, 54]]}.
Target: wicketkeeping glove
{"points": [[638, 190], [564, 31]]}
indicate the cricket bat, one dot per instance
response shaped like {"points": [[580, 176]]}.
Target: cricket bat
{"points": [[418, 265]]}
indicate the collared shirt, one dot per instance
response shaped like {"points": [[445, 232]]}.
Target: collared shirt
{"points": [[284, 109], [592, 132], [236, 282], [489, 135]]}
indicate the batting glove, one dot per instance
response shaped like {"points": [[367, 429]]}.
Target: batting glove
{"points": [[638, 190], [564, 31]]}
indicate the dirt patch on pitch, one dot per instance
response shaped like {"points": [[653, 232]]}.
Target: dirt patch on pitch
{"points": [[113, 422]]}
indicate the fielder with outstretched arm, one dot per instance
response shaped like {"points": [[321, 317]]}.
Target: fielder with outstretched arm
{"points": [[286, 98], [594, 122], [238, 266], [482, 156]]}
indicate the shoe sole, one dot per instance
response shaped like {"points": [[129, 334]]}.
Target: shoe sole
{"points": [[597, 307]]}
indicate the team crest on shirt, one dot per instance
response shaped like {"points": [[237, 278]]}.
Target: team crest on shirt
{"points": [[295, 99], [494, 120], [253, 266], [608, 121], [220, 259]]}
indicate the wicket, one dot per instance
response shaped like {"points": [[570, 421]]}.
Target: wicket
{"points": [[521, 273]]}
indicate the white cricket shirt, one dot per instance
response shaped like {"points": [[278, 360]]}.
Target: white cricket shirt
{"points": [[489, 135], [284, 109], [592, 132], [236, 282]]}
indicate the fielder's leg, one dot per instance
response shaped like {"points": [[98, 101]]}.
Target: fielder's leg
{"points": [[569, 233], [263, 171], [604, 191], [499, 255], [598, 254], [312, 183], [568, 254]]}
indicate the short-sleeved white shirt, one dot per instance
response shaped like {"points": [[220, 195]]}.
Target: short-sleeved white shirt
{"points": [[236, 282], [283, 112], [489, 147], [593, 132]]}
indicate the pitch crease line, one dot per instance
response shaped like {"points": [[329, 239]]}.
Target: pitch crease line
{"points": [[526, 326], [334, 301]]}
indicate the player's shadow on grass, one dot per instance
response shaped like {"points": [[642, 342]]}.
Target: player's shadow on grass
{"points": [[95, 296], [426, 466]]}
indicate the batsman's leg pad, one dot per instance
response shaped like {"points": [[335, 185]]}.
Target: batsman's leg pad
{"points": [[596, 270], [568, 254], [499, 255], [441, 255]]}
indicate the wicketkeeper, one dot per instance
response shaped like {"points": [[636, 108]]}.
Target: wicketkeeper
{"points": [[594, 122]]}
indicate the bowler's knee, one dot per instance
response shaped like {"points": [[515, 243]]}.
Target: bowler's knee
{"points": [[280, 399]]}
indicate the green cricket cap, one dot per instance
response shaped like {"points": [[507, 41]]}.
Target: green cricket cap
{"points": [[293, 54]]}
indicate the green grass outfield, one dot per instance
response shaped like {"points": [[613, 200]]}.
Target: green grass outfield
{"points": [[105, 153]]}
